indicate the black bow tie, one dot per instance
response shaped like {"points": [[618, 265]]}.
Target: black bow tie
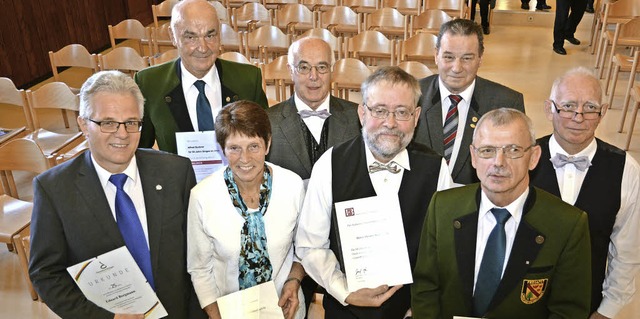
{"points": [[377, 166], [580, 162]]}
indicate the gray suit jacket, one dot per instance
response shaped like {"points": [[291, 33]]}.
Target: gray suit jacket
{"points": [[72, 222], [487, 96], [288, 147]]}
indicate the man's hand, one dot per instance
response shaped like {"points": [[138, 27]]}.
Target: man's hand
{"points": [[597, 315], [289, 298], [212, 311], [371, 297], [128, 316]]}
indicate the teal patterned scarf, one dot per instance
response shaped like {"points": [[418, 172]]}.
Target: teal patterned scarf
{"points": [[254, 264]]}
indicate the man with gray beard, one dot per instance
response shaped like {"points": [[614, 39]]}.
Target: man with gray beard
{"points": [[380, 162]]}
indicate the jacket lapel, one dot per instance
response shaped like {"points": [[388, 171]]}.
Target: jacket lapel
{"points": [[465, 230], [290, 126], [152, 188], [433, 119], [337, 122], [177, 103], [228, 95]]}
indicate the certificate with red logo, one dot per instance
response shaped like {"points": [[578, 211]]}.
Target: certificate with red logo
{"points": [[203, 150], [374, 247]]}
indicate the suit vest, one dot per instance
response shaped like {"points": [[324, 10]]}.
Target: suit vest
{"points": [[599, 197], [418, 185]]}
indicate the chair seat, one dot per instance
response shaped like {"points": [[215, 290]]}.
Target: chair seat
{"points": [[53, 143], [15, 216]]}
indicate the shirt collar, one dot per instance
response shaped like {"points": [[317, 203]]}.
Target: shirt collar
{"points": [[301, 105], [131, 171], [515, 208], [555, 148], [188, 79], [466, 94], [402, 158]]}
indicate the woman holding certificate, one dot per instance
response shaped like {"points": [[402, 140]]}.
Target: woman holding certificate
{"points": [[241, 224]]}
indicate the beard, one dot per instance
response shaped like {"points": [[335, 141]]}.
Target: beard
{"points": [[382, 148]]}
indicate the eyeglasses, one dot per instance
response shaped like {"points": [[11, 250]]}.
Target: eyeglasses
{"points": [[305, 68], [113, 126], [236, 150], [401, 113], [510, 151], [590, 111]]}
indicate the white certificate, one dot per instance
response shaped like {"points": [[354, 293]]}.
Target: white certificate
{"points": [[203, 150], [374, 248], [257, 302], [114, 282]]}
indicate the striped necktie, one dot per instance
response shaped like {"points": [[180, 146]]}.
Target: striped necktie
{"points": [[451, 126]]}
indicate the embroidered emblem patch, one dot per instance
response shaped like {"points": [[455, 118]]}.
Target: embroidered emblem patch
{"points": [[532, 290]]}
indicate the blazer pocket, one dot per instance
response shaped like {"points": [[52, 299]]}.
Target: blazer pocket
{"points": [[538, 270]]}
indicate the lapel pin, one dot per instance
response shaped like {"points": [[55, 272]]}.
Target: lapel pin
{"points": [[167, 99], [228, 99], [457, 224], [526, 262], [158, 187], [474, 119], [539, 239]]}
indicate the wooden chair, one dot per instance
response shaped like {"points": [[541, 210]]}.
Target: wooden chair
{"points": [[266, 43], [232, 4], [230, 39], [251, 16], [626, 35], [12, 97], [348, 74], [320, 5], [22, 244], [614, 13], [130, 29], [635, 94], [406, 7], [15, 217], [164, 57], [222, 11], [160, 40], [235, 57], [277, 4], [389, 21], [417, 69], [625, 64], [277, 73], [162, 11], [429, 21], [125, 59], [340, 20], [371, 46], [420, 47], [294, 19], [72, 153], [362, 6], [334, 42], [454, 8]]}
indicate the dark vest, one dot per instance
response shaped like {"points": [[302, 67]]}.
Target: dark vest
{"points": [[599, 197], [352, 182]]}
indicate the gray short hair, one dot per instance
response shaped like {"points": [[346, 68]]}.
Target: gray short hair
{"points": [[393, 75], [111, 82], [577, 71], [462, 27], [505, 116]]}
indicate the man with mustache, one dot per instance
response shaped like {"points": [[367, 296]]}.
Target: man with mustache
{"points": [[186, 95], [380, 161], [502, 249], [454, 99]]}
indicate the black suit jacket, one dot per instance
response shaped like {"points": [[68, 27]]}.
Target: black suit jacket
{"points": [[487, 96], [288, 146], [72, 222]]}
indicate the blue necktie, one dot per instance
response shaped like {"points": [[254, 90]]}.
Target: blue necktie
{"points": [[131, 229], [203, 109], [490, 272]]}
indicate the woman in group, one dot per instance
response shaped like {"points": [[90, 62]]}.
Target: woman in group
{"points": [[242, 218]]}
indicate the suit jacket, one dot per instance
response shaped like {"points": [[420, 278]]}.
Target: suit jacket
{"points": [[72, 222], [165, 107], [548, 274], [487, 96], [288, 146]]}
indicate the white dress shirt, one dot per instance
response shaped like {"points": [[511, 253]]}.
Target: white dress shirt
{"points": [[463, 111], [212, 89], [486, 223], [312, 238], [133, 188], [314, 123], [623, 260]]}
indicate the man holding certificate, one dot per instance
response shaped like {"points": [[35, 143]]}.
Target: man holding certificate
{"points": [[503, 249], [381, 162], [111, 197]]}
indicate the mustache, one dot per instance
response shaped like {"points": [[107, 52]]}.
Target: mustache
{"points": [[498, 171], [387, 131]]}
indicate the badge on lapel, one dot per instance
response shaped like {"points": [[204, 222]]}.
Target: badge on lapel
{"points": [[533, 290]]}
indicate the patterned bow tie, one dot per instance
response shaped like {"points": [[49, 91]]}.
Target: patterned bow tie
{"points": [[377, 166], [580, 162], [323, 114]]}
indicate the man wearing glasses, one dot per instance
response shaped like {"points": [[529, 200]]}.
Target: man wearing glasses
{"points": [[502, 249], [111, 196], [380, 161], [598, 178]]}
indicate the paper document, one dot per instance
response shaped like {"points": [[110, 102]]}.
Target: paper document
{"points": [[374, 247], [257, 302], [114, 282], [203, 150]]}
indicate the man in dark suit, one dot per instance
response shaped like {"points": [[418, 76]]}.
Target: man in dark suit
{"points": [[77, 213], [502, 249], [302, 128], [569, 13], [459, 52], [174, 90], [598, 178]]}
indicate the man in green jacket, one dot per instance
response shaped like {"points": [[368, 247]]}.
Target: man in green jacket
{"points": [[186, 95], [502, 249]]}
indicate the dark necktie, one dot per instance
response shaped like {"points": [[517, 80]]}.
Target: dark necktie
{"points": [[490, 272], [451, 126], [323, 114], [131, 229], [377, 166], [580, 162], [203, 109]]}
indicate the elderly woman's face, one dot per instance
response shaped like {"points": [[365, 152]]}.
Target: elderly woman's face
{"points": [[246, 157]]}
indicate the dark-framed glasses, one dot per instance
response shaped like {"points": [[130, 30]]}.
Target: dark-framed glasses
{"points": [[305, 68], [511, 151], [569, 110], [109, 126], [401, 113]]}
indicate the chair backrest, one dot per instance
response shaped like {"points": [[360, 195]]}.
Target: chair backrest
{"points": [[334, 42], [10, 95], [417, 69], [371, 44], [340, 20], [292, 18], [73, 55], [362, 6], [631, 30], [420, 47], [162, 10], [277, 73], [413, 7], [319, 5], [429, 21], [125, 59], [389, 21], [347, 74], [53, 95], [230, 39], [235, 57], [625, 9], [160, 39], [165, 57], [268, 40], [250, 16], [276, 4], [23, 154], [222, 11], [130, 29], [454, 8]]}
